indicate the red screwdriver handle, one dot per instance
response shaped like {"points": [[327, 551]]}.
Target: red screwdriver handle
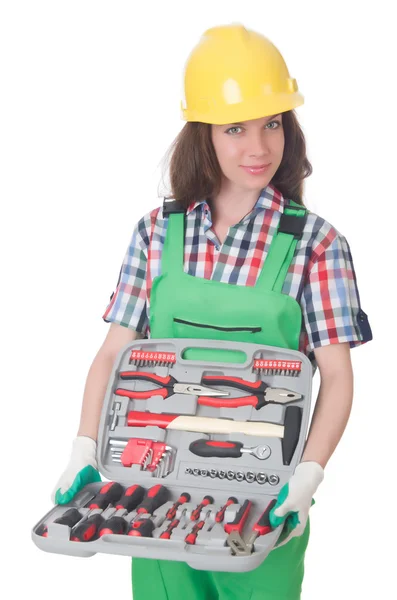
{"points": [[196, 513], [263, 526], [213, 448], [166, 534], [108, 494], [185, 497], [131, 498], [221, 513], [142, 528], [192, 536], [151, 378], [155, 497], [240, 519]]}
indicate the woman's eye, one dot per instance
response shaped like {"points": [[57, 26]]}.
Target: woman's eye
{"points": [[278, 123], [231, 128]]}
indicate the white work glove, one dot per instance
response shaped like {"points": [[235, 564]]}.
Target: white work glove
{"points": [[295, 499], [81, 470]]}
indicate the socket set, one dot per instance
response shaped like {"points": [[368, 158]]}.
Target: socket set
{"points": [[202, 438]]}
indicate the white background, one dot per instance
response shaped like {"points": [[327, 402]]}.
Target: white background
{"points": [[90, 95]]}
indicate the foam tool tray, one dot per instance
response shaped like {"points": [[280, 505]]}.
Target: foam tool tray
{"points": [[190, 474]]}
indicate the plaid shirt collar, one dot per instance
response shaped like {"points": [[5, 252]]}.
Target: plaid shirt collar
{"points": [[270, 198]]}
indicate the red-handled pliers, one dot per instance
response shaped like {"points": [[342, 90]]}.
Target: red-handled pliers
{"points": [[168, 386], [261, 393]]}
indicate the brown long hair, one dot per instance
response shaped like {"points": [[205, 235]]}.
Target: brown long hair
{"points": [[195, 173]]}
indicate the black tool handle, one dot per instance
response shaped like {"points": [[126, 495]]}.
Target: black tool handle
{"points": [[236, 382], [117, 525], [155, 497], [70, 517], [150, 377], [87, 530], [131, 498], [141, 528], [218, 449], [108, 494]]}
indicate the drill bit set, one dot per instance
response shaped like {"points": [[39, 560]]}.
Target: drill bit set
{"points": [[181, 441]]}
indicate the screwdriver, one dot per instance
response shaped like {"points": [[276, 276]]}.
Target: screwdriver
{"points": [[155, 497], [184, 497], [166, 534], [130, 500], [70, 518], [88, 529], [192, 536], [196, 512], [220, 515], [141, 527]]}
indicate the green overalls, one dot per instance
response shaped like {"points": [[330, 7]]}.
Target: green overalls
{"points": [[184, 306]]}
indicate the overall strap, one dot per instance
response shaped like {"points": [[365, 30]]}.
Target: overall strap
{"points": [[282, 248], [172, 258]]}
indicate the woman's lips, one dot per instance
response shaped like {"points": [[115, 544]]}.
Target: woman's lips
{"points": [[256, 170]]}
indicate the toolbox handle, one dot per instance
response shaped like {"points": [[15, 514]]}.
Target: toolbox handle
{"points": [[208, 354]]}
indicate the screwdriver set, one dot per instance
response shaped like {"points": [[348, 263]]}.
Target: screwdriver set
{"points": [[194, 454]]}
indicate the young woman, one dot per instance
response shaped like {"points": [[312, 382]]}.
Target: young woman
{"points": [[236, 240]]}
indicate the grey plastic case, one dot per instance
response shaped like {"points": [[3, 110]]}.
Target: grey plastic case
{"points": [[210, 551]]}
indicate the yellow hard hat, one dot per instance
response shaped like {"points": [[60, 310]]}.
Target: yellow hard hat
{"points": [[235, 74]]}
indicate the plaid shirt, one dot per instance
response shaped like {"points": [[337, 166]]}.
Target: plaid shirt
{"points": [[321, 276]]}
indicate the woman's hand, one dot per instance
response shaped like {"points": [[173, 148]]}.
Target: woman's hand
{"points": [[295, 499], [81, 470]]}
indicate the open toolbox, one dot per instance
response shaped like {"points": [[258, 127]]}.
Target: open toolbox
{"points": [[192, 472]]}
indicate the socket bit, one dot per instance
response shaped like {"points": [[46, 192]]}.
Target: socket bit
{"points": [[261, 478], [250, 476], [230, 475], [273, 479], [213, 473], [239, 476]]}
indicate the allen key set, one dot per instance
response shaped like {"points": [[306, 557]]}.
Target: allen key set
{"points": [[195, 458]]}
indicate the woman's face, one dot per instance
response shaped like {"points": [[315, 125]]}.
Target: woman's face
{"points": [[252, 143]]}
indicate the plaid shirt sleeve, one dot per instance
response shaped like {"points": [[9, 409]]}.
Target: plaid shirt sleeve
{"points": [[330, 299], [127, 304]]}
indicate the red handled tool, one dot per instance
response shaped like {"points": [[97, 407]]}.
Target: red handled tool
{"points": [[168, 386], [197, 511], [141, 528], [192, 535], [128, 502], [261, 527], [185, 497], [88, 529], [220, 515], [155, 497], [261, 393], [238, 523], [166, 534], [229, 449]]}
